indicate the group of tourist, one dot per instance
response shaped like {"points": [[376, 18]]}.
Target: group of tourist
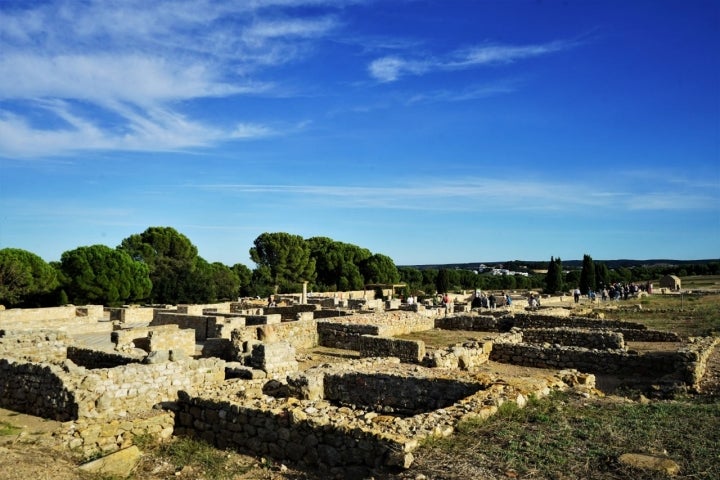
{"points": [[480, 300], [616, 291]]}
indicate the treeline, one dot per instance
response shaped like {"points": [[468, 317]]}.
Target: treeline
{"points": [[594, 276], [162, 266]]}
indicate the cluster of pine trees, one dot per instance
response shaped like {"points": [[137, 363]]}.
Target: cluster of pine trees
{"points": [[162, 266]]}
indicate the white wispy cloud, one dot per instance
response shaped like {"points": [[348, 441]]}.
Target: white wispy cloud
{"points": [[139, 63], [472, 92], [393, 67], [482, 193]]}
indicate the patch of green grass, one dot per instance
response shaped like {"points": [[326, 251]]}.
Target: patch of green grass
{"points": [[198, 454], [8, 429], [689, 315], [570, 437]]}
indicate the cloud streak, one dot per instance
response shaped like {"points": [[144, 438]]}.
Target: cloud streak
{"points": [[392, 68], [474, 194]]}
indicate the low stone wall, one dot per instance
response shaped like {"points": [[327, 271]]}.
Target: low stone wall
{"points": [[480, 323], [389, 324], [274, 358], [171, 340], [93, 438], [131, 314], [585, 360], [218, 348], [686, 364], [291, 312], [411, 351], [633, 335], [207, 309], [343, 335], [464, 356], [34, 345], [296, 434], [54, 318], [698, 352], [328, 313], [326, 397], [600, 339], [36, 389], [89, 358], [300, 334], [529, 320], [631, 331], [198, 323], [222, 325], [267, 319], [125, 338], [37, 317], [73, 392], [243, 309], [397, 394]]}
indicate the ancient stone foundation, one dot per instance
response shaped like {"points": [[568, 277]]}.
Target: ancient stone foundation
{"points": [[363, 415]]}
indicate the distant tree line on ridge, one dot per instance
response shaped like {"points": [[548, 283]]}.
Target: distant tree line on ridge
{"points": [[162, 266]]}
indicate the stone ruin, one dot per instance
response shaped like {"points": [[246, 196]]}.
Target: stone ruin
{"points": [[231, 375]]}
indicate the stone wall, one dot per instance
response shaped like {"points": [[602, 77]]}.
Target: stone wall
{"points": [[323, 314], [585, 360], [34, 345], [266, 319], [290, 313], [88, 358], [69, 318], [389, 324], [131, 314], [36, 389], [218, 348], [697, 353], [73, 392], [631, 331], [411, 351], [399, 394], [481, 323], [170, 340], [93, 438], [37, 317], [125, 338], [686, 364], [301, 334], [198, 323], [222, 325], [343, 335], [600, 339], [274, 358], [223, 307], [293, 433], [464, 356]]}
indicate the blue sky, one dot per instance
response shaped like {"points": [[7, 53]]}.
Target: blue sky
{"points": [[433, 131]]}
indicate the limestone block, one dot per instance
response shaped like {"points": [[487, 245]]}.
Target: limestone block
{"points": [[650, 462], [120, 463]]}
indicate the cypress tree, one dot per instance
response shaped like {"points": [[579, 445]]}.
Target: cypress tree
{"points": [[553, 278], [587, 275]]}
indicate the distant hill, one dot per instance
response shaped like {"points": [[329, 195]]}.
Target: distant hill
{"points": [[540, 265]]}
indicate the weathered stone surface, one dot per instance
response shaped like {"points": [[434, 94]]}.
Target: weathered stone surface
{"points": [[120, 463], [650, 462]]}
